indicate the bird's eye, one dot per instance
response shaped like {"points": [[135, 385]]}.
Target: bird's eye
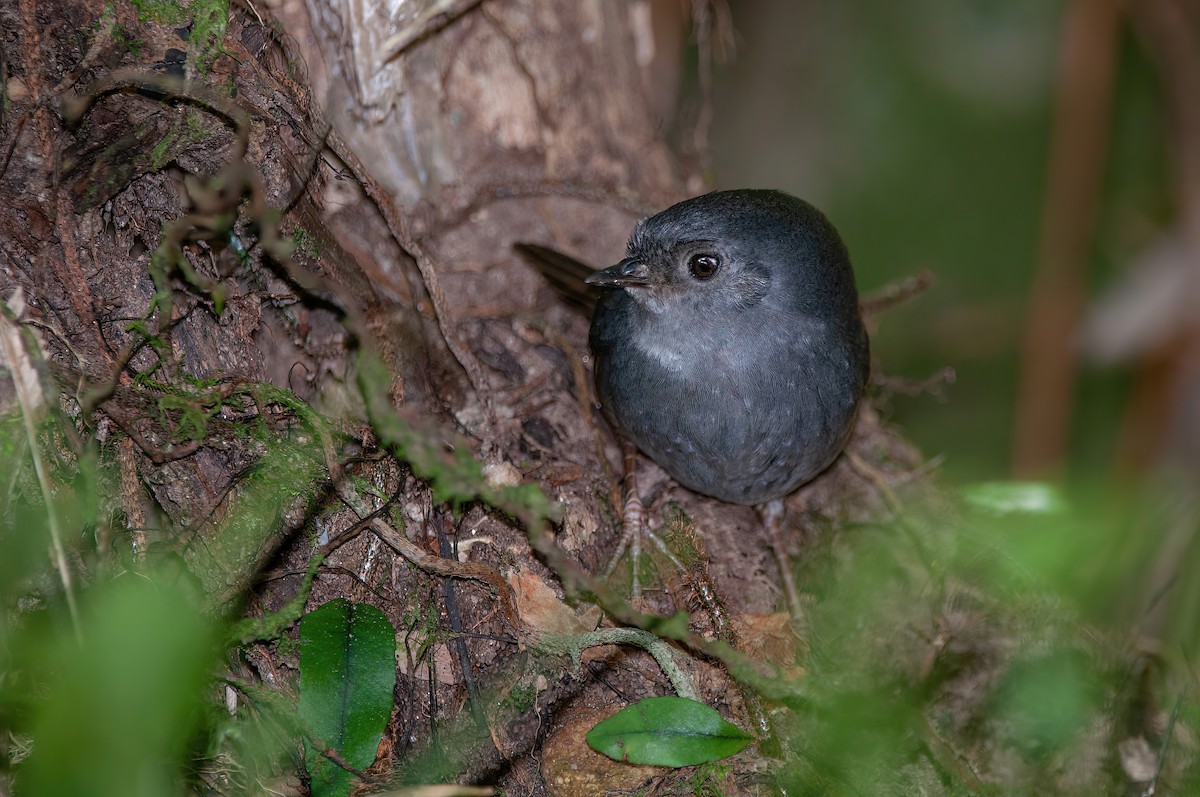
{"points": [[703, 266]]}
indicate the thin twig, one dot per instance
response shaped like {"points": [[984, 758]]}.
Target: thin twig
{"points": [[931, 385], [896, 293], [436, 565], [457, 643], [430, 22]]}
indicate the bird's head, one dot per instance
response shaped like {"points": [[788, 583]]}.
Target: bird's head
{"points": [[729, 251]]}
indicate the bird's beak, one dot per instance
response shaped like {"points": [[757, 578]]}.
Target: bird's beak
{"points": [[630, 272]]}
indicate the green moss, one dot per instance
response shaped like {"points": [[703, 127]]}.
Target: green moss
{"points": [[521, 698], [680, 536], [195, 125], [207, 18], [272, 625], [161, 155], [127, 40], [288, 648], [397, 520], [191, 411], [169, 11], [715, 779], [304, 243]]}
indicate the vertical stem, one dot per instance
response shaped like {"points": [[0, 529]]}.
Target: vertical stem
{"points": [[1078, 151], [17, 358]]}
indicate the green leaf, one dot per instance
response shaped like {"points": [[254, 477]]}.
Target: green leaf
{"points": [[668, 732], [347, 678]]}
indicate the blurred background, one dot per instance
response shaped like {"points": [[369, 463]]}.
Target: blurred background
{"points": [[1040, 157], [1021, 151]]}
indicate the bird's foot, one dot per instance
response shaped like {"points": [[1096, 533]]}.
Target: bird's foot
{"points": [[634, 520], [634, 525]]}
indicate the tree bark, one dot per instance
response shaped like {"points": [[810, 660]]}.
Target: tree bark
{"points": [[145, 177]]}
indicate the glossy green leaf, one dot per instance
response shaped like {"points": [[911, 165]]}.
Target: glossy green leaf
{"points": [[347, 678], [669, 732]]}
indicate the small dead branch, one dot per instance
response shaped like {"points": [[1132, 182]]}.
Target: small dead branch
{"points": [[450, 568], [896, 293], [909, 387], [428, 23]]}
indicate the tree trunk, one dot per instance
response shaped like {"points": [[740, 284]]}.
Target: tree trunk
{"points": [[186, 226]]}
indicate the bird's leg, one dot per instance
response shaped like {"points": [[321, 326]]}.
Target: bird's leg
{"points": [[635, 524], [633, 519], [772, 518]]}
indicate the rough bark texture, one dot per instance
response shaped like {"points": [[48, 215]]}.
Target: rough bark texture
{"points": [[514, 121]]}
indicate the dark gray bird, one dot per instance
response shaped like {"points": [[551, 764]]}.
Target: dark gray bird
{"points": [[729, 348]]}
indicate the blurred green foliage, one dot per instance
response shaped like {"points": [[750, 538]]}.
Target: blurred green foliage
{"points": [[119, 697], [967, 651], [114, 715]]}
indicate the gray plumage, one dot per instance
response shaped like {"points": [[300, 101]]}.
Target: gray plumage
{"points": [[729, 346]]}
